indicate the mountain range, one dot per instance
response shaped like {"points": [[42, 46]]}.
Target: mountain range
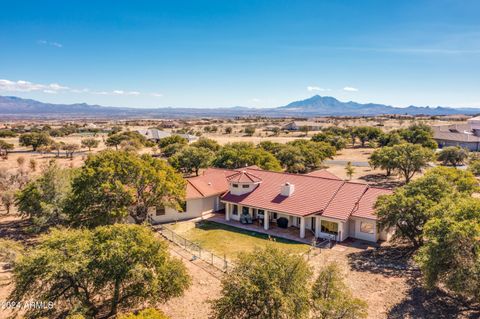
{"points": [[16, 107]]}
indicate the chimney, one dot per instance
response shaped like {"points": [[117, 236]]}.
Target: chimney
{"points": [[287, 189]]}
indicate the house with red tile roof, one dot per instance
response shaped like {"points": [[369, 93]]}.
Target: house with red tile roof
{"points": [[319, 203]]}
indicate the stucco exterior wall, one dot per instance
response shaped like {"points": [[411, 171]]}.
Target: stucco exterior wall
{"points": [[195, 208]]}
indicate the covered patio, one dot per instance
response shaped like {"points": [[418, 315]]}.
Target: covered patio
{"points": [[290, 233]]}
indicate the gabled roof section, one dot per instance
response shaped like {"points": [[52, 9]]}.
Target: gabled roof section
{"points": [[212, 182], [345, 200], [244, 177], [365, 207]]}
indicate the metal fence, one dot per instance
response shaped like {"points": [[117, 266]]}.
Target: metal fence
{"points": [[196, 250]]}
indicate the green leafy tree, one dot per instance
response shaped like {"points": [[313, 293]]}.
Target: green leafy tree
{"points": [[117, 139], [43, 199], [10, 251], [389, 139], [453, 155], [173, 139], [7, 133], [267, 283], [249, 130], [100, 271], [349, 170], [172, 149], [384, 158], [411, 206], [301, 156], [70, 149], [241, 154], [451, 254], [34, 140], [331, 298], [114, 185], [207, 143], [339, 142], [474, 167], [191, 159], [410, 159], [5, 147], [366, 133], [419, 134], [271, 147], [7, 198], [90, 143]]}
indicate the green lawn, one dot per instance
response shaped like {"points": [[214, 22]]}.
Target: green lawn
{"points": [[223, 239]]}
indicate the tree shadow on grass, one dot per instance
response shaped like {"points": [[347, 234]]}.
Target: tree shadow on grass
{"points": [[380, 180], [435, 304]]}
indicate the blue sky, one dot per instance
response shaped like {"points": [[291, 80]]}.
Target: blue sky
{"points": [[241, 52]]}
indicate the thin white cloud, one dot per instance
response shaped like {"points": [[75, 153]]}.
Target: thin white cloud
{"points": [[26, 86], [317, 88], [52, 88], [49, 43], [350, 89], [156, 94], [256, 100]]}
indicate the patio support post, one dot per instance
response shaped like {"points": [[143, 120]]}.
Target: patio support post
{"points": [[227, 211], [266, 220], [302, 227], [317, 226]]}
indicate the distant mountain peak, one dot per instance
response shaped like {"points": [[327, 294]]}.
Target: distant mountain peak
{"points": [[316, 105]]}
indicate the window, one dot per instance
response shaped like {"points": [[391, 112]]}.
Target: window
{"points": [[245, 186], [366, 227], [235, 185], [329, 227], [274, 215], [159, 210], [244, 210], [260, 213], [235, 210]]}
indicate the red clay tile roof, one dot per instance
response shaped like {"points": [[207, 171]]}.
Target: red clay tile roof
{"points": [[212, 182], [313, 195], [329, 197], [244, 177], [323, 173], [365, 207], [344, 200]]}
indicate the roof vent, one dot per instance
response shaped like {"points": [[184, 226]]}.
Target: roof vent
{"points": [[287, 189]]}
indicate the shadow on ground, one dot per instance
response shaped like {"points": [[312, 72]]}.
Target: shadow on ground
{"points": [[384, 260], [16, 230], [396, 261], [435, 304], [380, 180]]}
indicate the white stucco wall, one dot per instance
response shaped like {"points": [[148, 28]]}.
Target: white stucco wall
{"points": [[195, 208], [361, 235]]}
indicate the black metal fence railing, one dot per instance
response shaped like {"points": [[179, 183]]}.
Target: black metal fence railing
{"points": [[196, 250]]}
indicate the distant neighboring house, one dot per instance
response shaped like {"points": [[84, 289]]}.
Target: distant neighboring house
{"points": [[297, 125], [466, 135], [154, 134], [320, 203]]}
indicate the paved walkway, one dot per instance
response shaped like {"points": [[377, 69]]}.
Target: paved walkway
{"points": [[291, 233]]}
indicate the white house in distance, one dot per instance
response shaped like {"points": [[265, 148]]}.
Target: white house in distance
{"points": [[318, 203]]}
